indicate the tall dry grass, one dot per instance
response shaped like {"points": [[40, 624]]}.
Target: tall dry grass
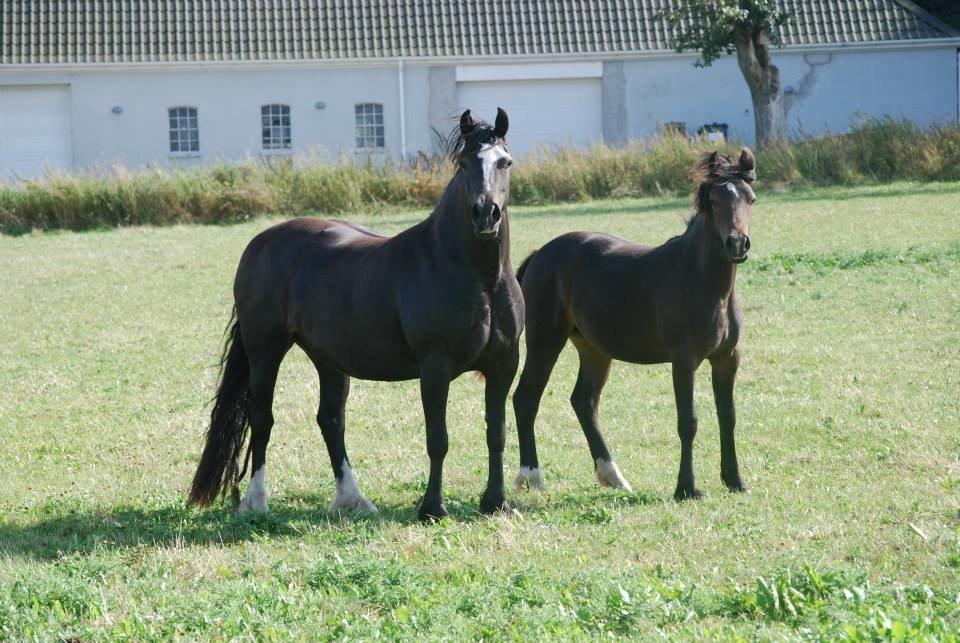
{"points": [[874, 151]]}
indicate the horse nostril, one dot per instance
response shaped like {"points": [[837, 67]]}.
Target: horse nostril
{"points": [[496, 212], [746, 243], [731, 243]]}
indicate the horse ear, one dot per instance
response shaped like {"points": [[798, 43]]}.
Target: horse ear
{"points": [[502, 123], [748, 165], [466, 123], [713, 162]]}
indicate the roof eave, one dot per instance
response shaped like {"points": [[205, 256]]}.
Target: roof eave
{"points": [[7, 69]]}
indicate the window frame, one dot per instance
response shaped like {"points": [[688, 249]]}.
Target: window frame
{"points": [[285, 144], [368, 125], [192, 113]]}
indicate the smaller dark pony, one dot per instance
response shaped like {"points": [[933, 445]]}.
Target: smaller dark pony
{"points": [[614, 299]]}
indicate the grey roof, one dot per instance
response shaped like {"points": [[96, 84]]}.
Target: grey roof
{"points": [[120, 31]]}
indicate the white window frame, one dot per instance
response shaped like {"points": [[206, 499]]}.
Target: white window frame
{"points": [[183, 132], [273, 142], [369, 133]]}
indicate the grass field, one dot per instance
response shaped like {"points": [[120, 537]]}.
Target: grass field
{"points": [[849, 439]]}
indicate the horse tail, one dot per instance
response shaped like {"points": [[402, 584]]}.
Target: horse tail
{"points": [[217, 471], [523, 267]]}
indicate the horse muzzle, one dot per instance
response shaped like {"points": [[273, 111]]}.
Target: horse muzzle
{"points": [[737, 247], [486, 218]]}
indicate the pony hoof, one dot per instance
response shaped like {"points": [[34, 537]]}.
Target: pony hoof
{"points": [[252, 505], [608, 475], [356, 503], [528, 478], [682, 494], [491, 504], [736, 485], [432, 512]]}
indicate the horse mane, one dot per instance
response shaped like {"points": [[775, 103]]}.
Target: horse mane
{"points": [[456, 142], [714, 168]]}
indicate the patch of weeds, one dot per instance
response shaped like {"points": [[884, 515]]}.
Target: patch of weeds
{"points": [[786, 596], [596, 515], [381, 582]]}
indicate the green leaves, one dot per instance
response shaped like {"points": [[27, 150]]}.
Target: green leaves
{"points": [[713, 27]]}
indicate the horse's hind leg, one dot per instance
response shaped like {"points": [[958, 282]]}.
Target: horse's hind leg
{"points": [[542, 354], [724, 373], [265, 358], [594, 369], [334, 389]]}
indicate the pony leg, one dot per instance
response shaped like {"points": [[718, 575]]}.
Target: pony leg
{"points": [[264, 365], [594, 370], [434, 387], [498, 384], [683, 378], [334, 389], [541, 358], [724, 373]]}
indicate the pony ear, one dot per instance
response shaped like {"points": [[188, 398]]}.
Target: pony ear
{"points": [[748, 165], [502, 123], [466, 123], [713, 163]]}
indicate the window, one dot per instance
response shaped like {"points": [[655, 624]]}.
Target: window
{"points": [[184, 133], [369, 130], [275, 121]]}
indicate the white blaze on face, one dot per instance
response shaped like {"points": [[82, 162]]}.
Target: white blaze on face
{"points": [[491, 155]]}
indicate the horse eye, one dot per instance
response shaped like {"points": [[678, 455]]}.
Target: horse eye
{"points": [[504, 163], [753, 200]]}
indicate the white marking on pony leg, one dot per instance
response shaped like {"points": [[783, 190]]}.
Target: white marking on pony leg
{"points": [[348, 493], [256, 498], [529, 477], [608, 475]]}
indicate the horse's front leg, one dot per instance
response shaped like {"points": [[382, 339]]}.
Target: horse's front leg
{"points": [[724, 373], [435, 374], [684, 369], [499, 378]]}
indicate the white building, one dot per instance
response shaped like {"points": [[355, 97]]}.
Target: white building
{"points": [[96, 83]]}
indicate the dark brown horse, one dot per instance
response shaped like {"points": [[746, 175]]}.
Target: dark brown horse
{"points": [[618, 300], [430, 303]]}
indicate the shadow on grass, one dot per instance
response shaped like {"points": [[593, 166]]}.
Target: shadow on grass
{"points": [[61, 531], [850, 193], [68, 531]]}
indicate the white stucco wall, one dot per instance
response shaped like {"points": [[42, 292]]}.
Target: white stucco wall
{"points": [[228, 102], [919, 84], [645, 91]]}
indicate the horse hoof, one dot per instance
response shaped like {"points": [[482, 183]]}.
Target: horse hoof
{"points": [[355, 503], [608, 475], [432, 512], [252, 505], [528, 478], [491, 504], [735, 485], [682, 494]]}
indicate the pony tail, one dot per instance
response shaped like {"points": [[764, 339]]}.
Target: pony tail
{"points": [[217, 471], [523, 267]]}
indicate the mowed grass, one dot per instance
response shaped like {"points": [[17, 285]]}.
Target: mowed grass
{"points": [[848, 435]]}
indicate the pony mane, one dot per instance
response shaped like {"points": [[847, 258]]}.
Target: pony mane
{"points": [[713, 168], [456, 143]]}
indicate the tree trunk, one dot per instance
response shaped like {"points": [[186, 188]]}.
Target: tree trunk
{"points": [[763, 78]]}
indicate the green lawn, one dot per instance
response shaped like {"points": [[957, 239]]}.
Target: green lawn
{"points": [[849, 439]]}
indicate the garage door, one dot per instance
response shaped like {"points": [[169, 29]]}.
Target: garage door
{"points": [[35, 130], [547, 113]]}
